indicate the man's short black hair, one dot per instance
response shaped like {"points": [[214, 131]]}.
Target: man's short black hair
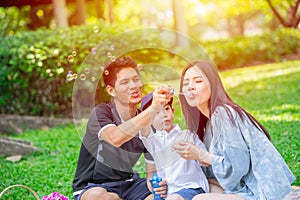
{"points": [[110, 72]]}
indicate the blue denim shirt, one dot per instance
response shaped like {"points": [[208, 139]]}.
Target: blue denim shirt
{"points": [[245, 162]]}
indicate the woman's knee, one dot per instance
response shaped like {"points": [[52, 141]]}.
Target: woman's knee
{"points": [[174, 197], [217, 196]]}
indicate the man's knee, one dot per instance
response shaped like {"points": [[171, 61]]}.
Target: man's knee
{"points": [[98, 193]]}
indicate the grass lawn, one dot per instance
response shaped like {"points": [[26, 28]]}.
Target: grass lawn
{"points": [[269, 92]]}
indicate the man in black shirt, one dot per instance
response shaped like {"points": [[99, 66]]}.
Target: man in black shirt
{"points": [[110, 147]]}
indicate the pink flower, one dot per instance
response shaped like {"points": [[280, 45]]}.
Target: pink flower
{"points": [[55, 196]]}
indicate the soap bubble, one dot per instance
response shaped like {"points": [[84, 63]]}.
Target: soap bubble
{"points": [[86, 71], [139, 67], [69, 76], [96, 29], [74, 76], [94, 50], [113, 59], [74, 53], [109, 54], [70, 58], [82, 77]]}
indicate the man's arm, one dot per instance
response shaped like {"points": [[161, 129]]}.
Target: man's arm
{"points": [[118, 135]]}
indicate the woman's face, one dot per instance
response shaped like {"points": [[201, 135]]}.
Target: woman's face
{"points": [[196, 88]]}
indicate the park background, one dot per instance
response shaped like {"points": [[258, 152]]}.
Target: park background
{"points": [[255, 45]]}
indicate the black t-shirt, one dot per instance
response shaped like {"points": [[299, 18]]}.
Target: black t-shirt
{"points": [[99, 161]]}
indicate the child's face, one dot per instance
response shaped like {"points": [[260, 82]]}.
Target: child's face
{"points": [[164, 119]]}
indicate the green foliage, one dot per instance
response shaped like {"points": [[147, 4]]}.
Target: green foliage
{"points": [[241, 51], [269, 92], [13, 20], [34, 65]]}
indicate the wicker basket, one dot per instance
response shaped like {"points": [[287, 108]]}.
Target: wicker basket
{"points": [[22, 186]]}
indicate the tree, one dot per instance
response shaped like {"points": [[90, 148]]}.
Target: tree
{"points": [[81, 11], [291, 17], [60, 13], [109, 10], [99, 4], [180, 24]]}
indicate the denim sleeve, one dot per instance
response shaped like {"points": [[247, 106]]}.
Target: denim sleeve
{"points": [[230, 167], [231, 160]]}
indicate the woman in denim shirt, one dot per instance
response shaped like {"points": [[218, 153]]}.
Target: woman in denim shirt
{"points": [[240, 157]]}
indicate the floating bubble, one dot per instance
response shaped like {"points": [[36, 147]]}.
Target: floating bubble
{"points": [[109, 55], [69, 76], [74, 76], [82, 77], [94, 50], [113, 59], [96, 29], [140, 67], [106, 72], [70, 58], [93, 78], [86, 70], [74, 53], [48, 70]]}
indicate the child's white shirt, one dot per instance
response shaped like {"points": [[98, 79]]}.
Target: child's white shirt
{"points": [[178, 172]]}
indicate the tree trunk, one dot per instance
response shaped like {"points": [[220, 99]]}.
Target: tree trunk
{"points": [[99, 8], [293, 20], [179, 22], [60, 13], [81, 12], [109, 10]]}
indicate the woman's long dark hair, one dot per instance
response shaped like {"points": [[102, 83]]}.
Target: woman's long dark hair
{"points": [[195, 120]]}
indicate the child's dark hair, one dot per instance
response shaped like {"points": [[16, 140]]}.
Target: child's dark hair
{"points": [[111, 70], [147, 100]]}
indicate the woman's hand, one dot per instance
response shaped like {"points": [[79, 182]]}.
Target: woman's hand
{"points": [[190, 151], [186, 150]]}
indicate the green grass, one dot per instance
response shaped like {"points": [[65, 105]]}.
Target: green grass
{"points": [[269, 92]]}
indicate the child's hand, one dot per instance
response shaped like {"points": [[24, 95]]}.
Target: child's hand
{"points": [[162, 190]]}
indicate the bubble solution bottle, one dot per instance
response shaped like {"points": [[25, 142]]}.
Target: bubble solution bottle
{"points": [[155, 180]]}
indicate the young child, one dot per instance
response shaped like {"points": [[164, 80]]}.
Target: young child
{"points": [[185, 178]]}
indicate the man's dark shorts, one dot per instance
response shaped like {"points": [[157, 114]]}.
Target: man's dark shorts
{"points": [[131, 189]]}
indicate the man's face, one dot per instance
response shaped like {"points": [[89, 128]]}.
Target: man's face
{"points": [[164, 119], [128, 87]]}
